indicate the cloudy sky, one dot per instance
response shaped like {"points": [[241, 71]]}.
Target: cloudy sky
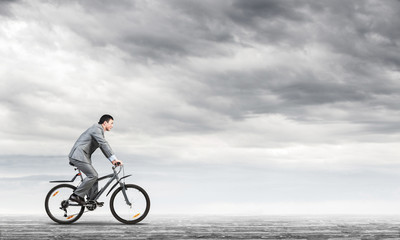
{"points": [[220, 107]]}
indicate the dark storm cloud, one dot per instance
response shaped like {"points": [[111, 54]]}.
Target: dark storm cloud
{"points": [[360, 47], [168, 31], [253, 9], [364, 30], [295, 91], [156, 31], [5, 7], [358, 42]]}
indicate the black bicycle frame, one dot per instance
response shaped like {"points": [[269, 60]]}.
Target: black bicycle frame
{"points": [[112, 177]]}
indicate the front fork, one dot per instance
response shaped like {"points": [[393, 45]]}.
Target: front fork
{"points": [[123, 189], [124, 193]]}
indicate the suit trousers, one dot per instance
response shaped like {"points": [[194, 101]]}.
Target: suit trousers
{"points": [[89, 186]]}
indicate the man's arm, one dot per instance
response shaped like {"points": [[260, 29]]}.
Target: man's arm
{"points": [[103, 144], [105, 147], [113, 159]]}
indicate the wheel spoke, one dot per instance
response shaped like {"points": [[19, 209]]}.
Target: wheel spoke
{"points": [[58, 207], [136, 211]]}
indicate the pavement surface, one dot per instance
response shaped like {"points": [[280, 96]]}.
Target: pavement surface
{"points": [[92, 226]]}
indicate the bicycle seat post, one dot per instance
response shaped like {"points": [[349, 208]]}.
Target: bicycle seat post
{"points": [[79, 173]]}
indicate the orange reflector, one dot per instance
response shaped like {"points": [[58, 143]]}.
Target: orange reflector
{"points": [[136, 215], [70, 217], [55, 193]]}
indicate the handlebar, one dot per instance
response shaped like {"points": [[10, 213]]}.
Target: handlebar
{"points": [[121, 168], [114, 166], [116, 162]]}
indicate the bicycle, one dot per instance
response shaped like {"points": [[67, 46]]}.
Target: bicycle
{"points": [[129, 203]]}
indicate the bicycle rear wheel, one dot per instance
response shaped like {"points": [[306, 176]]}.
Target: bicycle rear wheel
{"points": [[57, 200], [135, 213]]}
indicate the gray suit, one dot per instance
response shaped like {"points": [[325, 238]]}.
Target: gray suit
{"points": [[88, 142], [80, 156]]}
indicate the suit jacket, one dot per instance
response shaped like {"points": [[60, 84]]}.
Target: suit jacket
{"points": [[88, 142]]}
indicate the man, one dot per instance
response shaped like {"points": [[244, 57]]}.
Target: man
{"points": [[80, 157]]}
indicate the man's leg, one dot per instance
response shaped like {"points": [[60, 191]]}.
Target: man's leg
{"points": [[93, 190], [89, 185]]}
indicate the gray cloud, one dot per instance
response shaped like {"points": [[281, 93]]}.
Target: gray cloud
{"points": [[356, 50], [339, 53], [6, 7]]}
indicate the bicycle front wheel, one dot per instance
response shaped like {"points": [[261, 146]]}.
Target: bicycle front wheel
{"points": [[59, 208], [134, 213]]}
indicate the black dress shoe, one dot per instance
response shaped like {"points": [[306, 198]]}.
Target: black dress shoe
{"points": [[100, 204], [77, 199]]}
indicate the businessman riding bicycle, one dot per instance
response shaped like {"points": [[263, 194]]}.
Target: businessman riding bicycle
{"points": [[80, 157]]}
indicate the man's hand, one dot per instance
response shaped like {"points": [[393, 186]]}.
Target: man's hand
{"points": [[117, 162]]}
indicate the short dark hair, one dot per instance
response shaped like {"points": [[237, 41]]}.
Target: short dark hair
{"points": [[105, 118]]}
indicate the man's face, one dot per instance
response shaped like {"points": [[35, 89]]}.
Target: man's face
{"points": [[108, 125]]}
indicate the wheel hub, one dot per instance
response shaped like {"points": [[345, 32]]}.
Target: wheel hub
{"points": [[64, 204]]}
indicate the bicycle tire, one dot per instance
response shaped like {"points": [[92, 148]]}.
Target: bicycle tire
{"points": [[139, 196], [52, 193]]}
